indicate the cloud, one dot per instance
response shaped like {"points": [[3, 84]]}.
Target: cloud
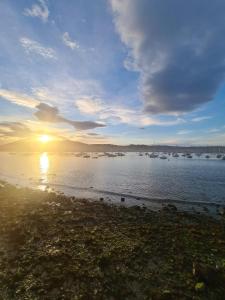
{"points": [[120, 114], [48, 113], [65, 89], [14, 129], [45, 112], [177, 47], [69, 42], [38, 10], [33, 47], [202, 118], [18, 98], [90, 105], [181, 132], [213, 130]]}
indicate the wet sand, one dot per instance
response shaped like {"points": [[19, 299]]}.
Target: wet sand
{"points": [[58, 247]]}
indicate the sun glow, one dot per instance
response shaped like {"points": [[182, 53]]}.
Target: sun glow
{"points": [[44, 138]]}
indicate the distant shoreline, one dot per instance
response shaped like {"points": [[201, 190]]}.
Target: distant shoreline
{"points": [[71, 146]]}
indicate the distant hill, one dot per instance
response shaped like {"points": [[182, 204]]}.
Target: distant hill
{"points": [[71, 146]]}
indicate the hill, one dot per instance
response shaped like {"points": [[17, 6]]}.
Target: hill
{"points": [[26, 145]]}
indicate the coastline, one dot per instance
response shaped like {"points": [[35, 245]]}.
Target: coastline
{"points": [[211, 208], [59, 247]]}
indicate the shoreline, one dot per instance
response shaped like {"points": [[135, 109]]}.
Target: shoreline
{"points": [[58, 247], [213, 208]]}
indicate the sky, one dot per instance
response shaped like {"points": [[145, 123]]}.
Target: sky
{"points": [[113, 71]]}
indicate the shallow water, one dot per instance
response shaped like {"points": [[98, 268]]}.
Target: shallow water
{"points": [[181, 180]]}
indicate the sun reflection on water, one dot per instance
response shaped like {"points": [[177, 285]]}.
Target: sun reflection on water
{"points": [[44, 167]]}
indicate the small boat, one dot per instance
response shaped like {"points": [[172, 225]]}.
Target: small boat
{"points": [[111, 155], [219, 156], [223, 158], [153, 155], [175, 155], [163, 157], [86, 156], [120, 154], [207, 156], [189, 156], [78, 154]]}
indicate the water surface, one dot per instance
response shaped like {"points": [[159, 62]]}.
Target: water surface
{"points": [[175, 179]]}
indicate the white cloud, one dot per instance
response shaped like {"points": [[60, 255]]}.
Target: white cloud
{"points": [[63, 91], [199, 119], [119, 114], [72, 44], [32, 46], [181, 132], [19, 98], [89, 106], [38, 10]]}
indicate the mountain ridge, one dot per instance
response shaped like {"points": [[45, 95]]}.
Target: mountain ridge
{"points": [[72, 146]]}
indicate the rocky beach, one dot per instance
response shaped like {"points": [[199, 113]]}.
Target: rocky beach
{"points": [[58, 247]]}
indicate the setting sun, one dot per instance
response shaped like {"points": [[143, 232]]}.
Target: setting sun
{"points": [[44, 138]]}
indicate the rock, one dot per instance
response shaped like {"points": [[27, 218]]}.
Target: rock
{"points": [[67, 212], [208, 274], [170, 208], [221, 211], [122, 199], [101, 198], [166, 295], [200, 286], [205, 209]]}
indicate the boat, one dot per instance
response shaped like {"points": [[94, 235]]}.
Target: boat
{"points": [[223, 158], [175, 155], [163, 157], [153, 155], [78, 154], [219, 156], [120, 154], [207, 156]]}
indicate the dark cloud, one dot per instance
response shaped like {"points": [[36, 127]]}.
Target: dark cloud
{"points": [[48, 113], [14, 129], [177, 46], [93, 134]]}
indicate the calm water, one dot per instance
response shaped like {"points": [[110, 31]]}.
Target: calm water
{"points": [[178, 179]]}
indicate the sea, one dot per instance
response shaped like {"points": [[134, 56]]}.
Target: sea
{"points": [[196, 183]]}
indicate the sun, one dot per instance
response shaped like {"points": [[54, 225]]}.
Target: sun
{"points": [[44, 138]]}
